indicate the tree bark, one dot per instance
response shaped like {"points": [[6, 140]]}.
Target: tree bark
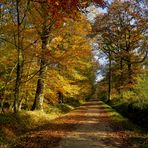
{"points": [[109, 79], [20, 60], [129, 65], [121, 78], [60, 97], [17, 87], [44, 35], [39, 96]]}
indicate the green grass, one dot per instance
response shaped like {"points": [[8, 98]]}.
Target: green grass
{"points": [[64, 108], [136, 111], [74, 102], [14, 125], [112, 113], [118, 118], [135, 133], [141, 105], [142, 88]]}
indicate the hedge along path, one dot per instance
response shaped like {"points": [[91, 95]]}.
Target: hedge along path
{"points": [[92, 125]]}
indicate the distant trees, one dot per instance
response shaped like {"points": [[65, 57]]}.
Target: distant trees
{"points": [[122, 34]]}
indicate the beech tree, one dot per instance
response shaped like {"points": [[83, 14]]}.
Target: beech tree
{"points": [[27, 32], [122, 31], [50, 15], [72, 61], [13, 26]]}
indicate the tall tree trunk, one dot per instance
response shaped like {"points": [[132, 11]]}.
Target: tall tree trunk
{"points": [[39, 96], [20, 60], [130, 81], [44, 35], [109, 79], [60, 97], [17, 86], [121, 78]]}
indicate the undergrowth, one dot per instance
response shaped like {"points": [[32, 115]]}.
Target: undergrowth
{"points": [[13, 125], [136, 111], [118, 118]]}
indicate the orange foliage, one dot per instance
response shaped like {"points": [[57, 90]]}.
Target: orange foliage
{"points": [[58, 10]]}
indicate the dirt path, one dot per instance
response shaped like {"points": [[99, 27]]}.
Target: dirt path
{"points": [[92, 130], [89, 126]]}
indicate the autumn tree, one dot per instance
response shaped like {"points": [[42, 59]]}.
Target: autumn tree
{"points": [[13, 27], [25, 34], [70, 62], [50, 15], [122, 31]]}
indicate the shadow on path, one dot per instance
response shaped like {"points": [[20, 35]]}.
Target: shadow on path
{"points": [[89, 126]]}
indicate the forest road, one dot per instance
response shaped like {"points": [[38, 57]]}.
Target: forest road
{"points": [[94, 129], [89, 126]]}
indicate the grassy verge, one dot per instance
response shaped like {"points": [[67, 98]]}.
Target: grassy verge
{"points": [[134, 133], [118, 118], [14, 125], [136, 111]]}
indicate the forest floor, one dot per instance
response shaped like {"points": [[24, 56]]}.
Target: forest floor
{"points": [[92, 125]]}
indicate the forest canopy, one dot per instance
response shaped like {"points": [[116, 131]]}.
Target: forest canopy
{"points": [[46, 57]]}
